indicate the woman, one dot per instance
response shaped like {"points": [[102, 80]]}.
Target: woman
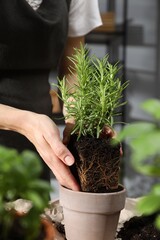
{"points": [[36, 36]]}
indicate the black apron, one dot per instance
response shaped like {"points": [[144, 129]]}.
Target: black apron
{"points": [[31, 44]]}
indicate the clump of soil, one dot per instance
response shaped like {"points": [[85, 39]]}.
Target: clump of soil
{"points": [[97, 163], [139, 228], [60, 227]]}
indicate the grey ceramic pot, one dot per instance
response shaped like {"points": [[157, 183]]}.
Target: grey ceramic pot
{"points": [[91, 216]]}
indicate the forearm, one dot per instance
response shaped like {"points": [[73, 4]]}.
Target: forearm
{"points": [[21, 121], [12, 118], [66, 64], [45, 136]]}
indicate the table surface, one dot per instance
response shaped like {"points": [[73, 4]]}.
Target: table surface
{"points": [[55, 212]]}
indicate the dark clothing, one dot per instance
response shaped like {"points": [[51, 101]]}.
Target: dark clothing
{"points": [[31, 44], [32, 39]]}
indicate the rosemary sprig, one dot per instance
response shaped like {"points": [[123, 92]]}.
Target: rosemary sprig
{"points": [[97, 93]]}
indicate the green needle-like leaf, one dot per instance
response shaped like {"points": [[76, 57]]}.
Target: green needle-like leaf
{"points": [[97, 94]]}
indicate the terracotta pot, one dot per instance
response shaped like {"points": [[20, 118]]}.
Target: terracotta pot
{"points": [[91, 216], [47, 231]]}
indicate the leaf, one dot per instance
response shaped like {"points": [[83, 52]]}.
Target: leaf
{"points": [[40, 185], [134, 130], [146, 169], [157, 222], [36, 199], [156, 189], [146, 145], [152, 106], [149, 205], [31, 161]]}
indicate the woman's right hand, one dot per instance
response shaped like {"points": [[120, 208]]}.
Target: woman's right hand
{"points": [[45, 136]]}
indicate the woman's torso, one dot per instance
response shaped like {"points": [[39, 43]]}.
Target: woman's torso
{"points": [[31, 44]]}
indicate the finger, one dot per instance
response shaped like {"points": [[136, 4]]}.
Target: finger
{"points": [[60, 170], [107, 131], [62, 152], [65, 177]]}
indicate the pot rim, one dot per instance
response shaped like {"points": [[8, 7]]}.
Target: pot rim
{"points": [[86, 202], [121, 189]]}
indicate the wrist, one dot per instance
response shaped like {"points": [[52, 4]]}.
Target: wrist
{"points": [[13, 119]]}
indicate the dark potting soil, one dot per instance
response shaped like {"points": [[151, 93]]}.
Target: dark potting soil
{"points": [[97, 163], [139, 228], [60, 227]]}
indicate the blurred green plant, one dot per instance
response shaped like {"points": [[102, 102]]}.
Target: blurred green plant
{"points": [[20, 178], [143, 139]]}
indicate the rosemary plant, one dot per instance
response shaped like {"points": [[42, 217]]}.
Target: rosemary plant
{"points": [[96, 96]]}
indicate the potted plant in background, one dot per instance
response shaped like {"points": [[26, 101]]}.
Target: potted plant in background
{"points": [[19, 181], [93, 103], [143, 138]]}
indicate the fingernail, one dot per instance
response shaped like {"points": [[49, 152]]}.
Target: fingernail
{"points": [[69, 161]]}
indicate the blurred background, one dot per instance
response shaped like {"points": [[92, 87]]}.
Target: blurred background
{"points": [[130, 34]]}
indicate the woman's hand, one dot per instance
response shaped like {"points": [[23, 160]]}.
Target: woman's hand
{"points": [[45, 136], [112, 134]]}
